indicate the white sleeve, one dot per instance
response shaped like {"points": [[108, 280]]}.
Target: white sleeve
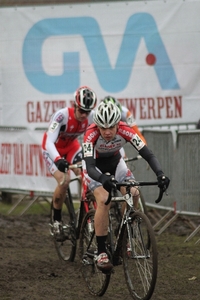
{"points": [[58, 120]]}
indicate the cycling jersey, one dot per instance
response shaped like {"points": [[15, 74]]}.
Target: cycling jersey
{"points": [[105, 154], [62, 133], [127, 117]]}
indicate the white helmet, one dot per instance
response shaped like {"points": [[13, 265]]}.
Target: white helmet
{"points": [[107, 115], [85, 98]]}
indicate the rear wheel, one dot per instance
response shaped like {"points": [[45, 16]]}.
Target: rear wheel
{"points": [[66, 249], [139, 253], [96, 281]]}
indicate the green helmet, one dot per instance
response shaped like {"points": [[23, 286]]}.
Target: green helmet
{"points": [[112, 100]]}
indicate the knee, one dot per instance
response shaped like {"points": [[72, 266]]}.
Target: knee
{"points": [[135, 192], [101, 198], [62, 181]]}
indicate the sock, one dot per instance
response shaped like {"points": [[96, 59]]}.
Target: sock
{"points": [[57, 214], [101, 243]]}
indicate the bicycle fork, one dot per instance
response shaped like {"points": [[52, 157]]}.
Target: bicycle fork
{"points": [[135, 239]]}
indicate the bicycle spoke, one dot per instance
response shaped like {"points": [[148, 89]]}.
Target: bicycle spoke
{"points": [[66, 249], [96, 281], [140, 257]]}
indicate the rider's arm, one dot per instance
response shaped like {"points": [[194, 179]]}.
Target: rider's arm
{"points": [[130, 136], [57, 121], [90, 161], [146, 153]]}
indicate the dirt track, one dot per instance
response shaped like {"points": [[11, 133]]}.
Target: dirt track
{"points": [[30, 269]]}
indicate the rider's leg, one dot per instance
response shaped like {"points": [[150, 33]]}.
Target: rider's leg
{"points": [[101, 218], [60, 193]]}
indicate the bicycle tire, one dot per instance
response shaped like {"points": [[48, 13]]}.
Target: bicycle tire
{"points": [[139, 252], [142, 205], [66, 249], [115, 216], [97, 282]]}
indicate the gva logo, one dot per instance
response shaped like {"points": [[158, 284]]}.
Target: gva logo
{"points": [[140, 25]]}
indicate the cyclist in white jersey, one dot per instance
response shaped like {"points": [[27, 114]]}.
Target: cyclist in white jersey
{"points": [[101, 154], [60, 146]]}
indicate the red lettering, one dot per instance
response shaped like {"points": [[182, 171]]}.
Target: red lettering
{"points": [[47, 115], [30, 113], [18, 158], [151, 108], [71, 103], [142, 112], [178, 107], [39, 112], [38, 117], [160, 103], [169, 111], [5, 159], [131, 104], [154, 108], [29, 160]]}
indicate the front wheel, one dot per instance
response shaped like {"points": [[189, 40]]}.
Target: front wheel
{"points": [[66, 249], [142, 205], [96, 281], [139, 253]]}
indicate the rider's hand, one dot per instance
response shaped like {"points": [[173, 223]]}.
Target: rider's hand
{"points": [[62, 165], [108, 182], [163, 182]]}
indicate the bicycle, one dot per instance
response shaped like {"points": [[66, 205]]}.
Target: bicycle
{"points": [[134, 246], [116, 206], [72, 219]]}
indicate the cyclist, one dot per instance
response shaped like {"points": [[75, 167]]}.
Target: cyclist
{"points": [[61, 147], [126, 116], [101, 154]]}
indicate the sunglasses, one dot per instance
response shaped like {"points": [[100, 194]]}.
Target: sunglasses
{"points": [[82, 111]]}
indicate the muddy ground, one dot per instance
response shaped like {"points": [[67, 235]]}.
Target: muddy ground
{"points": [[31, 270]]}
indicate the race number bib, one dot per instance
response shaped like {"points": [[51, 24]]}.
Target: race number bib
{"points": [[87, 149], [53, 126], [137, 142]]}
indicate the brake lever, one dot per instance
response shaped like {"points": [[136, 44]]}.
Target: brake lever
{"points": [[160, 196], [111, 194]]}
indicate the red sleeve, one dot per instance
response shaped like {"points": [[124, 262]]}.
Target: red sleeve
{"points": [[91, 134]]}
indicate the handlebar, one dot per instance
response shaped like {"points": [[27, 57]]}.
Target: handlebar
{"points": [[75, 166], [71, 167], [133, 184], [127, 159], [79, 165]]}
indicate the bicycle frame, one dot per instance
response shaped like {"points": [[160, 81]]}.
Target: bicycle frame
{"points": [[134, 246], [86, 200]]}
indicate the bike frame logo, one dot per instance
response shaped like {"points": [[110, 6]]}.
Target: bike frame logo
{"points": [[139, 25]]}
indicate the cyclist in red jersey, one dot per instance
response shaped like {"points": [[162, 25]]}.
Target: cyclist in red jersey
{"points": [[61, 147], [101, 154], [126, 116]]}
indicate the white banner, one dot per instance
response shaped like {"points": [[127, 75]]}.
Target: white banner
{"points": [[144, 54], [21, 163]]}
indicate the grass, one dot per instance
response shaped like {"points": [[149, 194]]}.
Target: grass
{"points": [[40, 207]]}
